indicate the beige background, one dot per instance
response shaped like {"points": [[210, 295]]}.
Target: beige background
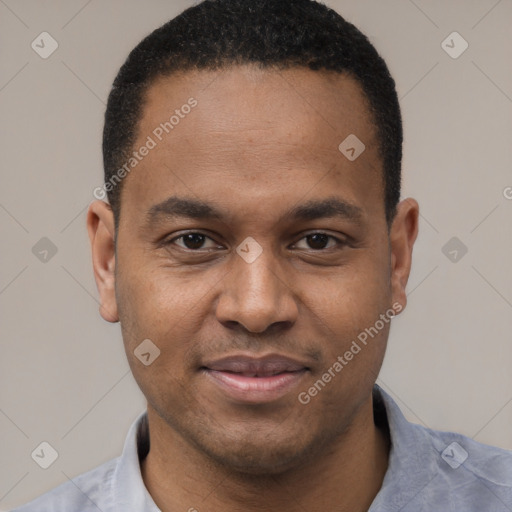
{"points": [[64, 376]]}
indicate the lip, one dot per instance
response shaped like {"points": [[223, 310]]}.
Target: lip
{"points": [[249, 379]]}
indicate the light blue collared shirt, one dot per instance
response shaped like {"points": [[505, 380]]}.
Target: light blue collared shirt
{"points": [[428, 471]]}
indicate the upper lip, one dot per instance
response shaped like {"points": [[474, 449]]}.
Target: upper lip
{"points": [[272, 364]]}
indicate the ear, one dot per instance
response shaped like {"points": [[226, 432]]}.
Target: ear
{"points": [[404, 231], [101, 229]]}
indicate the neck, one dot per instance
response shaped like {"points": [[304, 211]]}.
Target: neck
{"points": [[346, 475]]}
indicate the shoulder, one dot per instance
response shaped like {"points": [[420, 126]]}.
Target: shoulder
{"points": [[437, 470], [88, 492], [483, 461], [469, 474]]}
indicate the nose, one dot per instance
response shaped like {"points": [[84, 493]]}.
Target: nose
{"points": [[256, 295]]}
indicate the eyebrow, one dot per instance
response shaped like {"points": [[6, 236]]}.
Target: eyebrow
{"points": [[181, 207], [327, 208], [330, 207]]}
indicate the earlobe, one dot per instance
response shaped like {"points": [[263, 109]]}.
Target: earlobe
{"points": [[404, 231], [101, 229]]}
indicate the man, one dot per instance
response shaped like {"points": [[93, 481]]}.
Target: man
{"points": [[255, 252]]}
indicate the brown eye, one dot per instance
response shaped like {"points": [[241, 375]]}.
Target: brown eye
{"points": [[193, 240], [318, 240]]}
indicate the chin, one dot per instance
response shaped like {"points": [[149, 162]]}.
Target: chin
{"points": [[257, 461], [260, 455]]}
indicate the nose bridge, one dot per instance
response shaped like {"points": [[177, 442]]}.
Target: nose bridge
{"points": [[255, 293], [260, 278]]}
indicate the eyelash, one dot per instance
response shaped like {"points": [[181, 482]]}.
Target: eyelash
{"points": [[339, 242]]}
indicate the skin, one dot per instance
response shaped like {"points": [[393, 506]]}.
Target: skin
{"points": [[258, 144]]}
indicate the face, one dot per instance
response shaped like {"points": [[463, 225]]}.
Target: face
{"points": [[253, 253]]}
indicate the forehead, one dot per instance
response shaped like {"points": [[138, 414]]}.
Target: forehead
{"points": [[256, 128], [247, 97]]}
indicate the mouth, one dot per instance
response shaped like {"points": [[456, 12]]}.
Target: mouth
{"points": [[247, 379]]}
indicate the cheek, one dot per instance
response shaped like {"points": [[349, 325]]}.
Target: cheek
{"points": [[152, 309], [348, 304], [157, 304], [149, 306], [354, 338], [356, 292]]}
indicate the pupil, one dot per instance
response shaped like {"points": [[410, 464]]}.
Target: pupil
{"points": [[318, 241], [193, 240]]}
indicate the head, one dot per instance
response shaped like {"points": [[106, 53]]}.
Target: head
{"points": [[245, 229]]}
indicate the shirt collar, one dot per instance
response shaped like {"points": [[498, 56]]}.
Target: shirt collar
{"points": [[411, 466], [129, 491]]}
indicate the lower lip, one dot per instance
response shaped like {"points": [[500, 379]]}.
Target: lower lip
{"points": [[255, 389]]}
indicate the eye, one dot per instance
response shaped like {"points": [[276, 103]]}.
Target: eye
{"points": [[194, 241], [318, 241]]}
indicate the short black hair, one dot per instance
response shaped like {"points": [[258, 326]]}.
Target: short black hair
{"points": [[216, 34]]}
